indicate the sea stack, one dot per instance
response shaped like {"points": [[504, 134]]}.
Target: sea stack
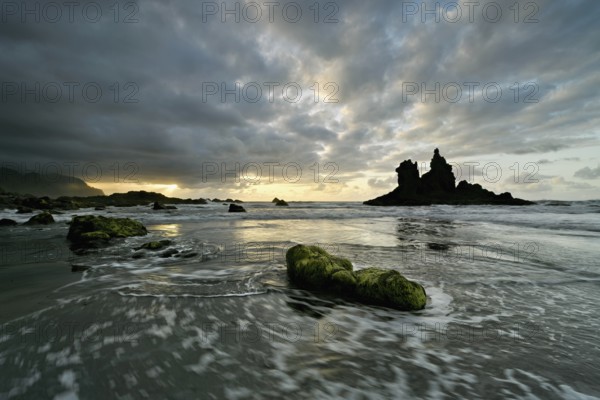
{"points": [[437, 186]]}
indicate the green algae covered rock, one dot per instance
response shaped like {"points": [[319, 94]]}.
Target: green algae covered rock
{"points": [[44, 218], [96, 235], [155, 245], [312, 268], [389, 288], [90, 230]]}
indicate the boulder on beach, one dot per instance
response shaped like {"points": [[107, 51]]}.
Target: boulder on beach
{"points": [[236, 208], [44, 218], [91, 230], [389, 288], [312, 268]]}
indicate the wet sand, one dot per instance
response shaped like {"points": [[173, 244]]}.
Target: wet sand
{"points": [[31, 271]]}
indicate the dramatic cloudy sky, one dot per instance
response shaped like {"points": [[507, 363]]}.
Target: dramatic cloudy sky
{"points": [[161, 123]]}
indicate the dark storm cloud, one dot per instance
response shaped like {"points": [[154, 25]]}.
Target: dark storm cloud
{"points": [[371, 53]]}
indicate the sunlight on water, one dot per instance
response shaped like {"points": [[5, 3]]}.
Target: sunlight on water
{"points": [[169, 230]]}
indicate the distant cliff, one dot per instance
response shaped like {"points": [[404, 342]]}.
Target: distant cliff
{"points": [[13, 181], [438, 187]]}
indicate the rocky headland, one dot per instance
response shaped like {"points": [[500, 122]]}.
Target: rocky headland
{"points": [[437, 186]]}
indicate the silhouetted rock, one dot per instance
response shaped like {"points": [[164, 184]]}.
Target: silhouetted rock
{"points": [[29, 203], [282, 203], [439, 178], [44, 218], [236, 208], [438, 187], [158, 206], [408, 177], [133, 198], [275, 200], [7, 222]]}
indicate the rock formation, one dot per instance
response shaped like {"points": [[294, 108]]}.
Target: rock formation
{"points": [[44, 218], [155, 245], [236, 208], [437, 186], [28, 203], [94, 231], [312, 268], [159, 206]]}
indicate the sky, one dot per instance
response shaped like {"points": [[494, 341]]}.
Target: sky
{"points": [[302, 100]]}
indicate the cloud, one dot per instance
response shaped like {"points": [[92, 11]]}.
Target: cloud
{"points": [[363, 62], [588, 173], [389, 183]]}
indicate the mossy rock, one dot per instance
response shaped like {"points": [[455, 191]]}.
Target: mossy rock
{"points": [[389, 288], [89, 229], [44, 218], [312, 268], [96, 235], [155, 245]]}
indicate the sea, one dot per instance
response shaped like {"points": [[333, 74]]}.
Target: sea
{"points": [[513, 297]]}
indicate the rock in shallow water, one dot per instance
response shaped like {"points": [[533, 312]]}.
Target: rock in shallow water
{"points": [[312, 268], [389, 288], [236, 208], [155, 245], [44, 218], [91, 230]]}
